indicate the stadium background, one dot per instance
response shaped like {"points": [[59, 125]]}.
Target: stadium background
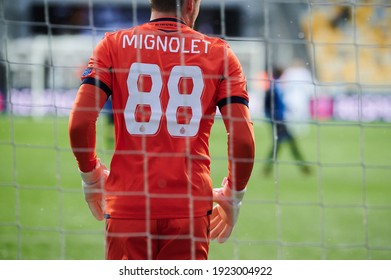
{"points": [[341, 211]]}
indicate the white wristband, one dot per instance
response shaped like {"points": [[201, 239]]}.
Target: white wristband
{"points": [[93, 176], [237, 196]]}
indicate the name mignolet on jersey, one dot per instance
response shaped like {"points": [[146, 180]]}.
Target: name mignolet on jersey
{"points": [[164, 43]]}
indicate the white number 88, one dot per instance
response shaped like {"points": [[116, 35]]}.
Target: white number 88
{"points": [[152, 98]]}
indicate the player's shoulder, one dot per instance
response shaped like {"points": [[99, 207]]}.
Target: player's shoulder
{"points": [[113, 35], [218, 45], [217, 41]]}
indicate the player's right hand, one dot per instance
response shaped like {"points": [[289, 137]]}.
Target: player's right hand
{"points": [[93, 183]]}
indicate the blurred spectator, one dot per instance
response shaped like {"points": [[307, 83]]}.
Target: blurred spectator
{"points": [[275, 111], [343, 15], [296, 83]]}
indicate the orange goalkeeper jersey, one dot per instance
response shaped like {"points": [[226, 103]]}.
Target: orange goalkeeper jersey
{"points": [[165, 80]]}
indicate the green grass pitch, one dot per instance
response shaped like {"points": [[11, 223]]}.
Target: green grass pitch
{"points": [[341, 211]]}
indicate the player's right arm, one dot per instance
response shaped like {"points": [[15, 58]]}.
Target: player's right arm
{"points": [[82, 125], [90, 99], [82, 135]]}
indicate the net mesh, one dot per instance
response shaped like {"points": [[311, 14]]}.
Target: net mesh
{"points": [[332, 201]]}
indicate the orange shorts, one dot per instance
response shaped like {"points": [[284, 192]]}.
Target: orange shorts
{"points": [[162, 239]]}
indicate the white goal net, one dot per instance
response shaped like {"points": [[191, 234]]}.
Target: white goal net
{"points": [[324, 195]]}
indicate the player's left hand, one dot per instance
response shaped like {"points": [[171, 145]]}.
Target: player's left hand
{"points": [[93, 183], [226, 212]]}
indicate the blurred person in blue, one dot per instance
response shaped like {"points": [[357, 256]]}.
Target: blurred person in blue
{"points": [[297, 85], [275, 112]]}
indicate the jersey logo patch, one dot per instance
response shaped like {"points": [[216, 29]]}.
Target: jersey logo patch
{"points": [[87, 71]]}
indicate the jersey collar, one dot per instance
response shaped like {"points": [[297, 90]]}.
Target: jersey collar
{"points": [[168, 19]]}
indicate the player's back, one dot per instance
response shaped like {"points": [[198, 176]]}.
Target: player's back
{"points": [[166, 81]]}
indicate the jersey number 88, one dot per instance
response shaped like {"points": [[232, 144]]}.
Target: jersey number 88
{"points": [[152, 99]]}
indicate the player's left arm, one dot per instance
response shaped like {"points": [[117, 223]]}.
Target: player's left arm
{"points": [[241, 152], [241, 144], [233, 103]]}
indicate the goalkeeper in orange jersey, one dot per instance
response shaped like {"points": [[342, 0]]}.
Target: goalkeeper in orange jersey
{"points": [[166, 81]]}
